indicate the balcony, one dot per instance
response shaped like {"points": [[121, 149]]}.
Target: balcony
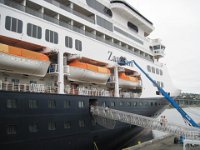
{"points": [[78, 11]]}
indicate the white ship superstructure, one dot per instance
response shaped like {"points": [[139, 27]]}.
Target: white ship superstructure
{"points": [[88, 30], [59, 57]]}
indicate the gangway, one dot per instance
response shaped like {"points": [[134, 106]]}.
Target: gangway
{"points": [[123, 61], [104, 115]]}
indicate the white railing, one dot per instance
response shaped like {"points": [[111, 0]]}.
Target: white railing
{"points": [[19, 87], [142, 121], [89, 92]]}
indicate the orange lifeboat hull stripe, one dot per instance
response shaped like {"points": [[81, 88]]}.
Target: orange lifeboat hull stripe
{"points": [[90, 67], [11, 50], [128, 78]]}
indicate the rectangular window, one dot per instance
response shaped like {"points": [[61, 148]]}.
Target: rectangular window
{"points": [[33, 104], [112, 104], [33, 127], [153, 70], [157, 71], [104, 23], [15, 81], [68, 42], [161, 72], [13, 24], [81, 123], [11, 129], [66, 104], [52, 104], [51, 36], [34, 31], [11, 103], [67, 125], [78, 45], [81, 104], [149, 68], [51, 125]]}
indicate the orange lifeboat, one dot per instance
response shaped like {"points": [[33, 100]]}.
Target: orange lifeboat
{"points": [[128, 81], [23, 61], [80, 71]]}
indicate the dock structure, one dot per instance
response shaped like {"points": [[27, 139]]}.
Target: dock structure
{"points": [[163, 143]]}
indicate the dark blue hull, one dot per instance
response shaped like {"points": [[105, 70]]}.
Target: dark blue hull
{"points": [[30, 121]]}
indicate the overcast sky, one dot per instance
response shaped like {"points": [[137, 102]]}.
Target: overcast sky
{"points": [[177, 23]]}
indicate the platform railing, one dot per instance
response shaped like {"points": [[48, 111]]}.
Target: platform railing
{"points": [[88, 92], [22, 87], [104, 115]]}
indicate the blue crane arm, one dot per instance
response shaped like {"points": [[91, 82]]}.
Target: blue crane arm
{"points": [[165, 94]]}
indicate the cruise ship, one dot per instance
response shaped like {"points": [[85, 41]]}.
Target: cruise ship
{"points": [[59, 57]]}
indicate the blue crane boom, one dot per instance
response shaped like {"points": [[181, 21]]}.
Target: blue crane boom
{"points": [[161, 90]]}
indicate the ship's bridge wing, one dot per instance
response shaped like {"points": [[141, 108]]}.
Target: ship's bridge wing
{"points": [[122, 7]]}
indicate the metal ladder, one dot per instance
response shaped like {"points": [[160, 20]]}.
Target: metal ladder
{"points": [[107, 117]]}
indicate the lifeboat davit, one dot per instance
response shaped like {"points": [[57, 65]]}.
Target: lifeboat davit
{"points": [[80, 71], [22, 61], [128, 81]]}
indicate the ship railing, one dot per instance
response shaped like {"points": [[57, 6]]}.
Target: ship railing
{"points": [[88, 92], [107, 114], [69, 26], [67, 8], [19, 87]]}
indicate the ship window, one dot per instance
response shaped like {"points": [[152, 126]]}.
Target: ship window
{"points": [[33, 104], [134, 104], [52, 104], [153, 70], [15, 81], [156, 47], [33, 82], [112, 104], [132, 26], [51, 36], [158, 83], [99, 7], [104, 104], [162, 84], [13, 24], [157, 71], [81, 123], [161, 72], [157, 93], [128, 103], [66, 104], [67, 125], [151, 103], [11, 103], [34, 31], [121, 103], [11, 129], [68, 41], [81, 104], [51, 125], [104, 23], [149, 68], [78, 45], [33, 127]]}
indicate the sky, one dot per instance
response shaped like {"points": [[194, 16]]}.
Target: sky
{"points": [[177, 23]]}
